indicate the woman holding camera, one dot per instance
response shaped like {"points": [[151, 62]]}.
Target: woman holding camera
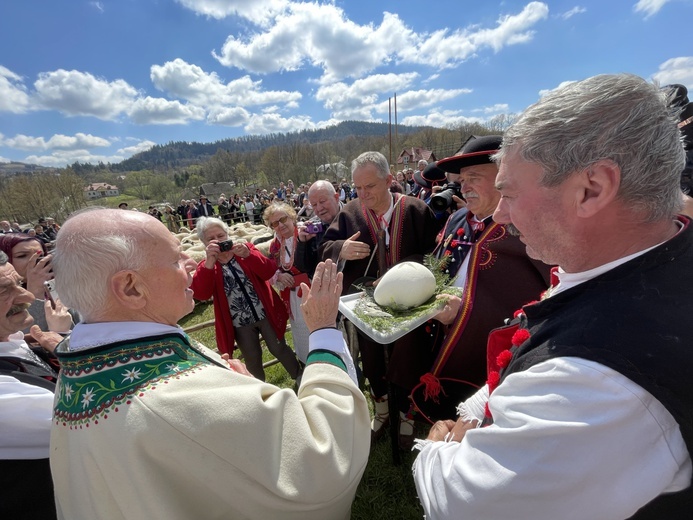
{"points": [[281, 217], [245, 305]]}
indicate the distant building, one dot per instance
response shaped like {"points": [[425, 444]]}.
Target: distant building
{"points": [[409, 157], [212, 190], [97, 190], [337, 170]]}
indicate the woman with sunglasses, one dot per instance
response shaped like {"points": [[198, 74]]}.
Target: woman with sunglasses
{"points": [[245, 305], [281, 217]]}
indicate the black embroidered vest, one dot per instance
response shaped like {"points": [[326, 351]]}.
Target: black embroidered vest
{"points": [[634, 319]]}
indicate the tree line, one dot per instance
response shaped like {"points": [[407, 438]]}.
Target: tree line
{"points": [[167, 173]]}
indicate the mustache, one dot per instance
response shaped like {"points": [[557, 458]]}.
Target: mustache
{"points": [[16, 309], [512, 230]]}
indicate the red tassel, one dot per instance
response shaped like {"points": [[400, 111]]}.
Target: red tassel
{"points": [[432, 387], [487, 411], [520, 336], [503, 359], [493, 380]]}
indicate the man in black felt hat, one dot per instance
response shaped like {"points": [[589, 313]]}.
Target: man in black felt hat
{"points": [[428, 178], [205, 208], [492, 268]]}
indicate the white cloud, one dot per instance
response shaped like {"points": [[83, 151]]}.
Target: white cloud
{"points": [[676, 70], [356, 101], [415, 99], [141, 146], [56, 142], [63, 158], [24, 142], [269, 123], [257, 11], [649, 7], [575, 10], [495, 109], [80, 93], [440, 119], [443, 51], [322, 36], [190, 82], [4, 160], [543, 92], [98, 6], [79, 140], [512, 29], [231, 116], [13, 94], [318, 35], [148, 111]]}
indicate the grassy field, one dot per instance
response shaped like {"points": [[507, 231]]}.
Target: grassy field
{"points": [[386, 491]]}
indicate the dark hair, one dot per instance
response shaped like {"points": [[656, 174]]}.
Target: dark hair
{"points": [[7, 243]]}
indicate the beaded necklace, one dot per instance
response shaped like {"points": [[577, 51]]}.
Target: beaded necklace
{"points": [[282, 248]]}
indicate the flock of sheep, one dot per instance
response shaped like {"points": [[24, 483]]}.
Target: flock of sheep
{"points": [[257, 234]]}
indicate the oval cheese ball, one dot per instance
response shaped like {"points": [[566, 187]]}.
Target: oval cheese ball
{"points": [[405, 285]]}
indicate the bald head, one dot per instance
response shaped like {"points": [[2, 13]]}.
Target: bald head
{"points": [[101, 261]]}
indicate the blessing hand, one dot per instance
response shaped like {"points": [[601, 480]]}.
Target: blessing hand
{"points": [[320, 302]]}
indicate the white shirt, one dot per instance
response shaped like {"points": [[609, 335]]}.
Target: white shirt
{"points": [[571, 439], [25, 411]]}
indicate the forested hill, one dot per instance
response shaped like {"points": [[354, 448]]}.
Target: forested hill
{"points": [[182, 153]]}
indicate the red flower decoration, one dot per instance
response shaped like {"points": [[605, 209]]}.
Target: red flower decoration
{"points": [[503, 359], [460, 232], [455, 243], [447, 253], [520, 336], [493, 380]]}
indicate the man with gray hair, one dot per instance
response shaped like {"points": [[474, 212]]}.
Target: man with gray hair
{"points": [[403, 229], [590, 412], [325, 202], [150, 424]]}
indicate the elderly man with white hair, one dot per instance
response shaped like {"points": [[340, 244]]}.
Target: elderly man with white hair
{"points": [[325, 202], [150, 424]]}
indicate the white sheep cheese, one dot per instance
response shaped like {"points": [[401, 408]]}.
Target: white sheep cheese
{"points": [[405, 285]]}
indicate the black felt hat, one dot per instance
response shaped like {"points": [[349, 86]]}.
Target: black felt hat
{"points": [[430, 175], [476, 151]]}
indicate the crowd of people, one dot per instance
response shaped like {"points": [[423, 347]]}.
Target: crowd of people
{"points": [[249, 206], [557, 384]]}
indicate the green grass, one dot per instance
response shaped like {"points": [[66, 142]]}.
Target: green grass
{"points": [[386, 491]]}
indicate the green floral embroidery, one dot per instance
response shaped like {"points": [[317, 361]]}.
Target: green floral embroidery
{"points": [[92, 386]]}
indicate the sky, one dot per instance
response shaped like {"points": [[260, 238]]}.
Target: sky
{"points": [[94, 81]]}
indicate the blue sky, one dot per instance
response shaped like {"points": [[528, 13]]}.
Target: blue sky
{"points": [[102, 80]]}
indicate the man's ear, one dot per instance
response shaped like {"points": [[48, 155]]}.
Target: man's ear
{"points": [[128, 289], [597, 187]]}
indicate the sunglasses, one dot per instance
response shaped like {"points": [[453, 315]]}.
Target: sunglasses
{"points": [[276, 223]]}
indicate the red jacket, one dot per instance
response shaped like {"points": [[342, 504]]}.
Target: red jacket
{"points": [[259, 269]]}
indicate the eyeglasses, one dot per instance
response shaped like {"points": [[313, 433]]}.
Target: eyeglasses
{"points": [[276, 223]]}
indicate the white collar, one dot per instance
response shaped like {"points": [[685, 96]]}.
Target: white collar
{"points": [[569, 280], [88, 335]]}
